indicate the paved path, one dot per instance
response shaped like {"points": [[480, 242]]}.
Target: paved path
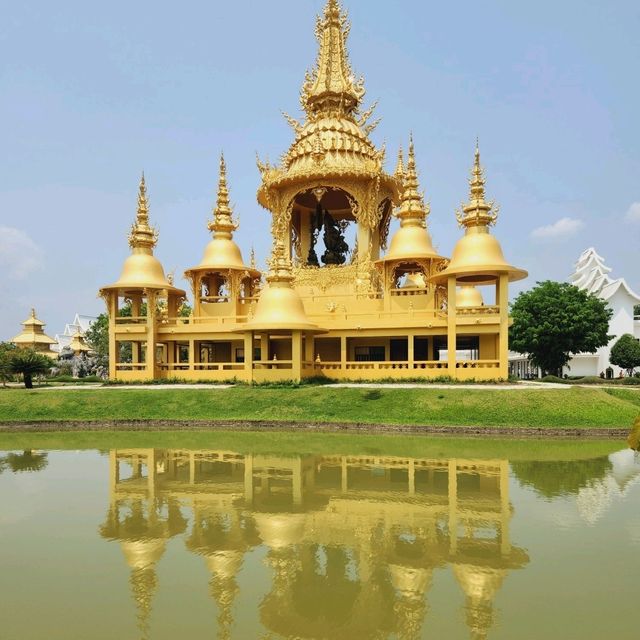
{"points": [[523, 386]]}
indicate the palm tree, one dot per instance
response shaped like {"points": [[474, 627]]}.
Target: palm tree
{"points": [[30, 363]]}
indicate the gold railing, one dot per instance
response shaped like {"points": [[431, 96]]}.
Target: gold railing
{"points": [[478, 311], [130, 366]]}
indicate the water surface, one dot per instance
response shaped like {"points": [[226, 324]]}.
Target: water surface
{"points": [[217, 543]]}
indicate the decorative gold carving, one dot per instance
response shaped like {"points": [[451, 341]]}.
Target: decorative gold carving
{"points": [[325, 277]]}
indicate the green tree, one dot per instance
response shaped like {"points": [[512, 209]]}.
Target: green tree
{"points": [[625, 353], [29, 363], [636, 310], [6, 349], [97, 335], [556, 319]]}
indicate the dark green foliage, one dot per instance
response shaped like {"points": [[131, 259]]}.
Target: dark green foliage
{"points": [[560, 478], [625, 353], [6, 349], [29, 363], [636, 310], [97, 335], [554, 320]]}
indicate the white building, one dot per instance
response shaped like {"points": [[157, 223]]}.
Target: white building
{"points": [[592, 275], [80, 325]]}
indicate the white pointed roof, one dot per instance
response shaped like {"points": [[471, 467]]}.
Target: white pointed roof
{"points": [[592, 275]]}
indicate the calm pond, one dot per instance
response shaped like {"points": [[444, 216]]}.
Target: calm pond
{"points": [[511, 541]]}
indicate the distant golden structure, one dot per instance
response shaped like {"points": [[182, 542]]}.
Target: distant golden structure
{"points": [[328, 307], [33, 336]]}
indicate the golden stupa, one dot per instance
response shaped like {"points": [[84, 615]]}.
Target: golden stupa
{"points": [[33, 336], [339, 300]]}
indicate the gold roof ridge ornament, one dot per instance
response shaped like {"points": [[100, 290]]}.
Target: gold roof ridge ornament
{"points": [[222, 224], [477, 257], [141, 269]]}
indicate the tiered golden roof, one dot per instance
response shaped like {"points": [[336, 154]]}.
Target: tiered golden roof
{"points": [[334, 139], [33, 335], [477, 257], [222, 252], [142, 270]]}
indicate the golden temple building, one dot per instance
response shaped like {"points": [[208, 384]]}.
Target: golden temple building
{"points": [[376, 309], [33, 336]]}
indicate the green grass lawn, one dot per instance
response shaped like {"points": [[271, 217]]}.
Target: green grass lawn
{"points": [[550, 408]]}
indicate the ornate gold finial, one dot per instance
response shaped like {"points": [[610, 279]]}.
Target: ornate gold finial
{"points": [[279, 264], [142, 235], [477, 212], [399, 172], [33, 313], [412, 205], [331, 87], [252, 258], [222, 224]]}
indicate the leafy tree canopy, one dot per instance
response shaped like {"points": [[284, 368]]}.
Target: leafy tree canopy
{"points": [[625, 353], [29, 363], [6, 349], [556, 319]]}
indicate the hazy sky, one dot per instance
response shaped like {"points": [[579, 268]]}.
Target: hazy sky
{"points": [[92, 93]]}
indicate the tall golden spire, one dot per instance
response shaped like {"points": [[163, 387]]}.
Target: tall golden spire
{"points": [[412, 205], [331, 89], [477, 212], [222, 224], [142, 235]]}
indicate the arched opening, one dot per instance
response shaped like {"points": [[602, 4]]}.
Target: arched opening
{"points": [[215, 287], [323, 227]]}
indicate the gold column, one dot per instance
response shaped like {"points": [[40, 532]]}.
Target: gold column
{"points": [[192, 354], [451, 326], [410, 350], [151, 473], [264, 346], [344, 355], [412, 477], [151, 334], [503, 340], [112, 304], [248, 356], [296, 481], [345, 476], [309, 345], [192, 467], [296, 355]]}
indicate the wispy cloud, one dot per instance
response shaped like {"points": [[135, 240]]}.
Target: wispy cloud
{"points": [[560, 229], [20, 256], [633, 212]]}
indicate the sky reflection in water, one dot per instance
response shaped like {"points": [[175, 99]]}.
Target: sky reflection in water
{"points": [[165, 543]]}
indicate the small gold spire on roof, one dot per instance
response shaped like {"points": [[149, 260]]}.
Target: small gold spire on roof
{"points": [[142, 235], [477, 212], [252, 258], [412, 205], [222, 224], [399, 172]]}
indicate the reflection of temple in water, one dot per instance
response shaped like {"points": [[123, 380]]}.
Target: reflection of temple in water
{"points": [[352, 540]]}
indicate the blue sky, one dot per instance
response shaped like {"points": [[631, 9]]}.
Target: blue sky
{"points": [[94, 93]]}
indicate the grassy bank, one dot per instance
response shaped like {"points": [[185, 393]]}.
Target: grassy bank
{"points": [[548, 408], [292, 444]]}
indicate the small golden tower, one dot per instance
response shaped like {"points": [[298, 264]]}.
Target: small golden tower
{"points": [[141, 282], [33, 336], [222, 279]]}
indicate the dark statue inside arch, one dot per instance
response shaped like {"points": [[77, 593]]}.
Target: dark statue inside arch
{"points": [[336, 248]]}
